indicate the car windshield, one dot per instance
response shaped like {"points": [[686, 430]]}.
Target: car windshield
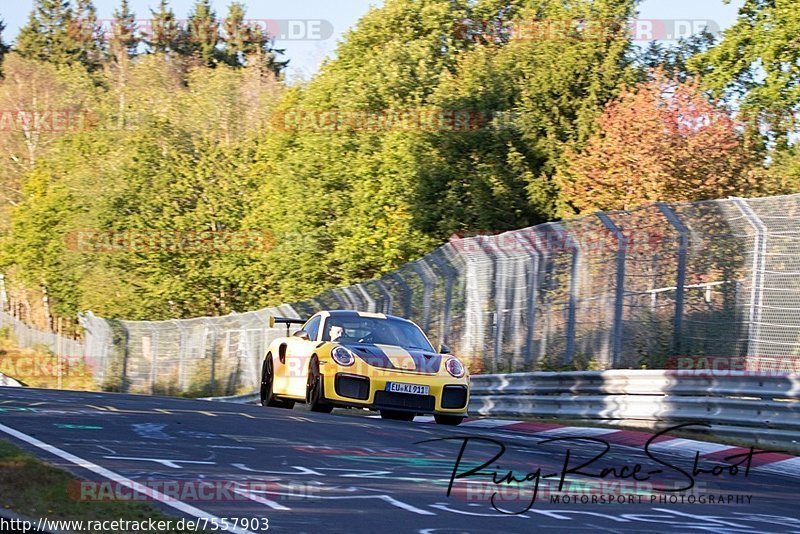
{"points": [[376, 331]]}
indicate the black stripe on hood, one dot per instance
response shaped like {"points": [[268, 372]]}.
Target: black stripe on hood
{"points": [[426, 362]]}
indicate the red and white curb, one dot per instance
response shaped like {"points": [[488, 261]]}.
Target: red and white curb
{"points": [[773, 462]]}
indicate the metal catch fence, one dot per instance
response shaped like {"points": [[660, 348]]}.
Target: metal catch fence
{"points": [[686, 282]]}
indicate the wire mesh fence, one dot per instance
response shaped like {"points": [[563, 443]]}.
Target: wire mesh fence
{"points": [[22, 335], [630, 289]]}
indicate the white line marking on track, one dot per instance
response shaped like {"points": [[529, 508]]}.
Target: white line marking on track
{"points": [[260, 500], [299, 470], [119, 479], [165, 462], [386, 498]]}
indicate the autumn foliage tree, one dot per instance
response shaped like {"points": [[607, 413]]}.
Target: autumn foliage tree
{"points": [[660, 141]]}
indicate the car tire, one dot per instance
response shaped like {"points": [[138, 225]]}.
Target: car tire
{"points": [[397, 416], [449, 420], [267, 396], [315, 389]]}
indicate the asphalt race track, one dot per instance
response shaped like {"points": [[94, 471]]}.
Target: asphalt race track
{"points": [[306, 472]]}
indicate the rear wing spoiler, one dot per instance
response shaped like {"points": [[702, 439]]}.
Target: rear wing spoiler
{"points": [[288, 321]]}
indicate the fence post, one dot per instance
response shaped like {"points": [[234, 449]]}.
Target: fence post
{"points": [[181, 353], [154, 357], [361, 288], [759, 257], [387, 301], [622, 246], [450, 274], [572, 302], [345, 303], [407, 293], [213, 354], [424, 271], [527, 242], [573, 297], [489, 250], [122, 330], [680, 283], [59, 353]]}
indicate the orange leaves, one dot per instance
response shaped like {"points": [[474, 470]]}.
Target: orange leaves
{"points": [[660, 141]]}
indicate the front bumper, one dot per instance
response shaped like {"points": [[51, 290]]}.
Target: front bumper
{"points": [[344, 387]]}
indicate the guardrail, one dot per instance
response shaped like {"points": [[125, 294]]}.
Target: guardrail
{"points": [[756, 409], [760, 410]]}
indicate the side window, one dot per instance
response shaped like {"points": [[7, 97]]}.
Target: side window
{"points": [[312, 327], [326, 332]]}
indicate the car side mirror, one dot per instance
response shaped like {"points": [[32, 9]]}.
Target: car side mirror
{"points": [[444, 349], [302, 334]]}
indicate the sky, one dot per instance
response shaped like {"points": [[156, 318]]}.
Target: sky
{"points": [[311, 28]]}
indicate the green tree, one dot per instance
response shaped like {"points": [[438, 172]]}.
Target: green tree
{"points": [[673, 60], [165, 37], [540, 88], [236, 35], [48, 34], [184, 166], [202, 34], [756, 64], [32, 87], [359, 221], [260, 52], [123, 48], [248, 44], [87, 35], [123, 41], [58, 33]]}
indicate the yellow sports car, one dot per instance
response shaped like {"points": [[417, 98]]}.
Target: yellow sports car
{"points": [[368, 360]]}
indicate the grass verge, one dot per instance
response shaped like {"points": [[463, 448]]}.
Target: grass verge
{"points": [[35, 489]]}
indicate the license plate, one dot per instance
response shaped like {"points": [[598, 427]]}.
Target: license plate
{"points": [[414, 389]]}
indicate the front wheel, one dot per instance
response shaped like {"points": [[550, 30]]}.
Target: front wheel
{"points": [[450, 420], [315, 396], [267, 380], [397, 416]]}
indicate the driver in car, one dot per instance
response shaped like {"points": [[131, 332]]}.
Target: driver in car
{"points": [[337, 332]]}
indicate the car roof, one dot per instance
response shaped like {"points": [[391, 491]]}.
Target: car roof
{"points": [[353, 314]]}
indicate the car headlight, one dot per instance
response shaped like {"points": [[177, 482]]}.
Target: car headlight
{"points": [[343, 357], [454, 367]]}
